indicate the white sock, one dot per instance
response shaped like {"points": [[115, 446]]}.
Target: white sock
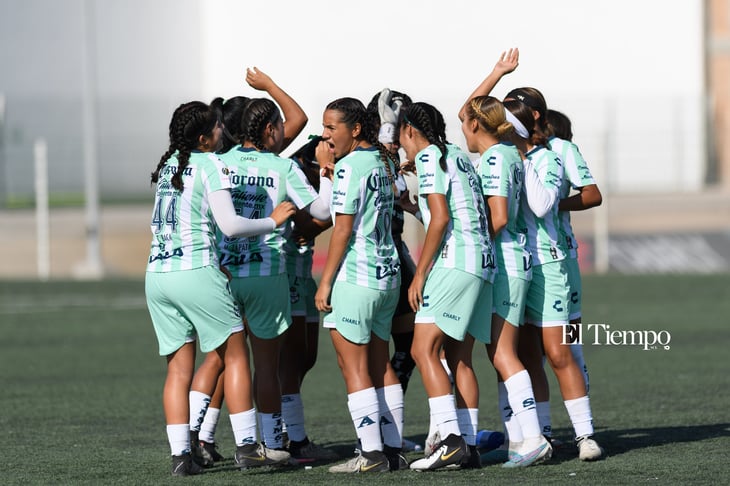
{"points": [[271, 429], [579, 411], [468, 420], [292, 411], [577, 352], [210, 422], [512, 429], [365, 415], [178, 435], [198, 405], [443, 412], [244, 427], [522, 400], [543, 416], [390, 402]]}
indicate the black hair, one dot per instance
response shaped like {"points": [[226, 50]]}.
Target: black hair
{"points": [[189, 122], [230, 114], [354, 112], [533, 98], [307, 161], [257, 114], [559, 125], [430, 122]]}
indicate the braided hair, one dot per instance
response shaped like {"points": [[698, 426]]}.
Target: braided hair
{"points": [[489, 112], [189, 122], [430, 122], [354, 112], [258, 113]]}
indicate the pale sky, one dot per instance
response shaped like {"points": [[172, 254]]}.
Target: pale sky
{"points": [[583, 55]]}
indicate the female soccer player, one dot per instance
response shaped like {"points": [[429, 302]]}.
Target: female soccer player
{"points": [[260, 180], [577, 176], [360, 281], [451, 290], [204, 408], [487, 131], [186, 292], [548, 297]]}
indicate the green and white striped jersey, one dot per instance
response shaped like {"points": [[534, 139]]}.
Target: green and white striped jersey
{"points": [[543, 234], [363, 188], [183, 228], [576, 174], [466, 245], [260, 181], [502, 175]]}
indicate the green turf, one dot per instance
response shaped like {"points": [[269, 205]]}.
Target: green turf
{"points": [[81, 392]]}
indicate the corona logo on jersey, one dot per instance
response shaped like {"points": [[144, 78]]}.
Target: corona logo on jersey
{"points": [[602, 335]]}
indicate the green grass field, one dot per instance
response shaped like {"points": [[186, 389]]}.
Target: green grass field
{"points": [[81, 392]]}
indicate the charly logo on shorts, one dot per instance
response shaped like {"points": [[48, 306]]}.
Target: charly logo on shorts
{"points": [[603, 335]]}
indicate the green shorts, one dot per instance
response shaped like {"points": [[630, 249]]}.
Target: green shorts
{"points": [[509, 295], [359, 311], [264, 302], [549, 295], [576, 288], [301, 298], [187, 302], [457, 302]]}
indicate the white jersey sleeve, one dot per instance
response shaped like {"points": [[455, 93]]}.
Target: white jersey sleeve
{"points": [[233, 225]]}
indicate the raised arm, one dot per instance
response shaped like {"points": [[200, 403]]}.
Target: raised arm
{"points": [[508, 62], [294, 117]]}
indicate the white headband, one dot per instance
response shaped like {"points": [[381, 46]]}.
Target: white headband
{"points": [[519, 127]]}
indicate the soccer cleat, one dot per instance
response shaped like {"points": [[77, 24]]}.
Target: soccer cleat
{"points": [[196, 451], [542, 452], [450, 451], [472, 459], [257, 455], [588, 449], [209, 451], [199, 455], [396, 460], [183, 465], [364, 462], [307, 451], [432, 442]]}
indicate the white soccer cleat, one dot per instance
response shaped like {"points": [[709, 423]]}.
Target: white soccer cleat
{"points": [[373, 461], [528, 454], [449, 452], [588, 449]]}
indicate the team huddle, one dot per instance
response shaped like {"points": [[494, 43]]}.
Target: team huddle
{"points": [[234, 225]]}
